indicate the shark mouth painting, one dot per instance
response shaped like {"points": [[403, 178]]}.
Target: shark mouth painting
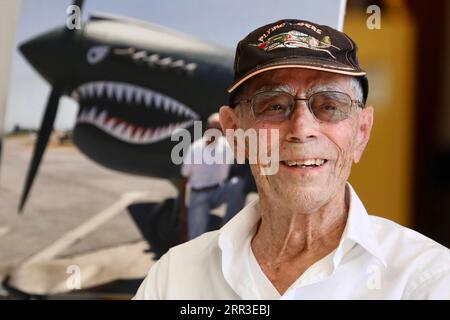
{"points": [[135, 84], [151, 116]]}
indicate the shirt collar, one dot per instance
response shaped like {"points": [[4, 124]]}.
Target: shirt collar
{"points": [[358, 230], [232, 242]]}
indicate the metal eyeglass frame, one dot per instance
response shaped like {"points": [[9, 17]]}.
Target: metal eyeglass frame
{"points": [[306, 99]]}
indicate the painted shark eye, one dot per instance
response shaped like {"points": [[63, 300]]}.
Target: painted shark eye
{"points": [[97, 54]]}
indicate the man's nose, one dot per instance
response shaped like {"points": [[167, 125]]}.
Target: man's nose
{"points": [[303, 127]]}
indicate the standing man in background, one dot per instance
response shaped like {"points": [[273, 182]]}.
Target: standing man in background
{"points": [[208, 181]]}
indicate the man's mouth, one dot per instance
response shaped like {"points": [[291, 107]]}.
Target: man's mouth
{"points": [[306, 163]]}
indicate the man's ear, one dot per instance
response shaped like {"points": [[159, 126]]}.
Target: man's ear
{"points": [[228, 118], [363, 132]]}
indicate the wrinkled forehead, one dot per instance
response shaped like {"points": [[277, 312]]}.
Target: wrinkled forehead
{"points": [[296, 80]]}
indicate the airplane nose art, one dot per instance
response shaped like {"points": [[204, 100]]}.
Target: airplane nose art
{"points": [[131, 113], [49, 54], [135, 83]]}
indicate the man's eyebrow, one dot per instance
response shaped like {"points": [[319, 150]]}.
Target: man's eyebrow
{"points": [[288, 89], [315, 89], [276, 87]]}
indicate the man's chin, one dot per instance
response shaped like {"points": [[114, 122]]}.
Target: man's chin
{"points": [[305, 200]]}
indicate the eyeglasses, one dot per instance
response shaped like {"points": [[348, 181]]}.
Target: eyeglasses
{"points": [[326, 106]]}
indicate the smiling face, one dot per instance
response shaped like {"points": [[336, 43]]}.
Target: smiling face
{"points": [[315, 157]]}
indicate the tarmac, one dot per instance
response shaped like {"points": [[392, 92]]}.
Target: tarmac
{"points": [[76, 208], [75, 225]]}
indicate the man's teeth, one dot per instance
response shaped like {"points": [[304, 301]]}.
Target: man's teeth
{"points": [[305, 163]]}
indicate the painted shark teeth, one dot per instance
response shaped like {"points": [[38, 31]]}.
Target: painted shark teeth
{"points": [[129, 93], [303, 163], [126, 131]]}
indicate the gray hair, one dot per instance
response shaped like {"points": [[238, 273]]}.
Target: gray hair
{"points": [[357, 90]]}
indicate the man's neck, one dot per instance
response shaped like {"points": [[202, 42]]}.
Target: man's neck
{"points": [[291, 240]]}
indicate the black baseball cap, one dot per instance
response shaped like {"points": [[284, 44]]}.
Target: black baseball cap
{"points": [[294, 43]]}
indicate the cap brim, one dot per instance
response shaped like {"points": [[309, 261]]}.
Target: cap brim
{"points": [[332, 67]]}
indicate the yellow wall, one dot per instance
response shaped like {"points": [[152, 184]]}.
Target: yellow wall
{"points": [[383, 177]]}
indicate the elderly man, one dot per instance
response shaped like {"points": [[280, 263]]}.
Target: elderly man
{"points": [[308, 236]]}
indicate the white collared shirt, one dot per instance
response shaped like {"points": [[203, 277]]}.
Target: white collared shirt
{"points": [[375, 259]]}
